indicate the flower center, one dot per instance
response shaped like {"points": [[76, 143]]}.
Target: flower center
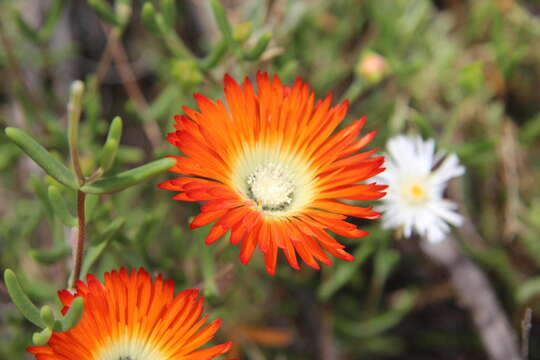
{"points": [[415, 193], [271, 186], [129, 348]]}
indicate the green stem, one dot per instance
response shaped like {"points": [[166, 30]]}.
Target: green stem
{"points": [[81, 234]]}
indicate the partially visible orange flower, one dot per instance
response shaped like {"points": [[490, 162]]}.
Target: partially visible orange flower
{"points": [[130, 316], [270, 166]]}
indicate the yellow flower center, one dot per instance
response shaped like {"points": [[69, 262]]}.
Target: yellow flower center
{"points": [[415, 193]]}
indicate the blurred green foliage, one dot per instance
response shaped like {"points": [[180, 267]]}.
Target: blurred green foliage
{"points": [[463, 72]]}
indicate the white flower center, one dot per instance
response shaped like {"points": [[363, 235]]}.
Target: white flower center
{"points": [[271, 186], [415, 192]]}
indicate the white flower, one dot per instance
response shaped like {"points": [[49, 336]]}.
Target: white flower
{"points": [[416, 177]]}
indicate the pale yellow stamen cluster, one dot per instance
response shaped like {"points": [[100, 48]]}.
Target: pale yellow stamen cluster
{"points": [[415, 192], [272, 186]]}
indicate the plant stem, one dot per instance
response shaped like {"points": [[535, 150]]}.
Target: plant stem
{"points": [[81, 234], [74, 114]]}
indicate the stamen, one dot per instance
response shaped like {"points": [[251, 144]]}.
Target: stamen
{"points": [[415, 192], [271, 186]]}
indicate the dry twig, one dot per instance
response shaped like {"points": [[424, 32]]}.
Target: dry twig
{"points": [[475, 293]]}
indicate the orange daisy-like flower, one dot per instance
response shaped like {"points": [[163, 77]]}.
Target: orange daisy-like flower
{"points": [[131, 317], [270, 166]]}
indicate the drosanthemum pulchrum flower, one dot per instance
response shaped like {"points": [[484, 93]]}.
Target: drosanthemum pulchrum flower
{"points": [[130, 316], [417, 176], [272, 169]]}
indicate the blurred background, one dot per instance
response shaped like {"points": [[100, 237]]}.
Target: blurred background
{"points": [[463, 72]]}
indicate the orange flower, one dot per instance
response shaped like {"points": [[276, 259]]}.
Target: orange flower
{"points": [[270, 166], [130, 316]]}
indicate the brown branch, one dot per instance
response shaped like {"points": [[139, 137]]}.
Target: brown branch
{"points": [[475, 293], [525, 332], [106, 58], [133, 90]]}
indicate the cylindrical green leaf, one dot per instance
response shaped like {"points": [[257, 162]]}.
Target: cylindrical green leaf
{"points": [[42, 337], [128, 178], [208, 268], [105, 12], [47, 316], [123, 11], [59, 249], [21, 301], [108, 154], [52, 19], [115, 130], [173, 41], [242, 31], [149, 18], [49, 257], [215, 55], [60, 207], [221, 19], [73, 315], [258, 49], [168, 8], [41, 156], [25, 29], [90, 207], [95, 249], [530, 131], [109, 150]]}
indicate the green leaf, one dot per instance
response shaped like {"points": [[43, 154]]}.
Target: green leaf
{"points": [[90, 206], [128, 178], [530, 289], [380, 323], [21, 300], [256, 52], [222, 20], [52, 19], [60, 207], [41, 190], [108, 154], [109, 150], [215, 56], [42, 337], [26, 29], [208, 268], [95, 250], [149, 18], [242, 32], [49, 257], [530, 131], [41, 156], [47, 316], [344, 272], [73, 315], [59, 249], [115, 130], [168, 8], [123, 10], [105, 12], [385, 261]]}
